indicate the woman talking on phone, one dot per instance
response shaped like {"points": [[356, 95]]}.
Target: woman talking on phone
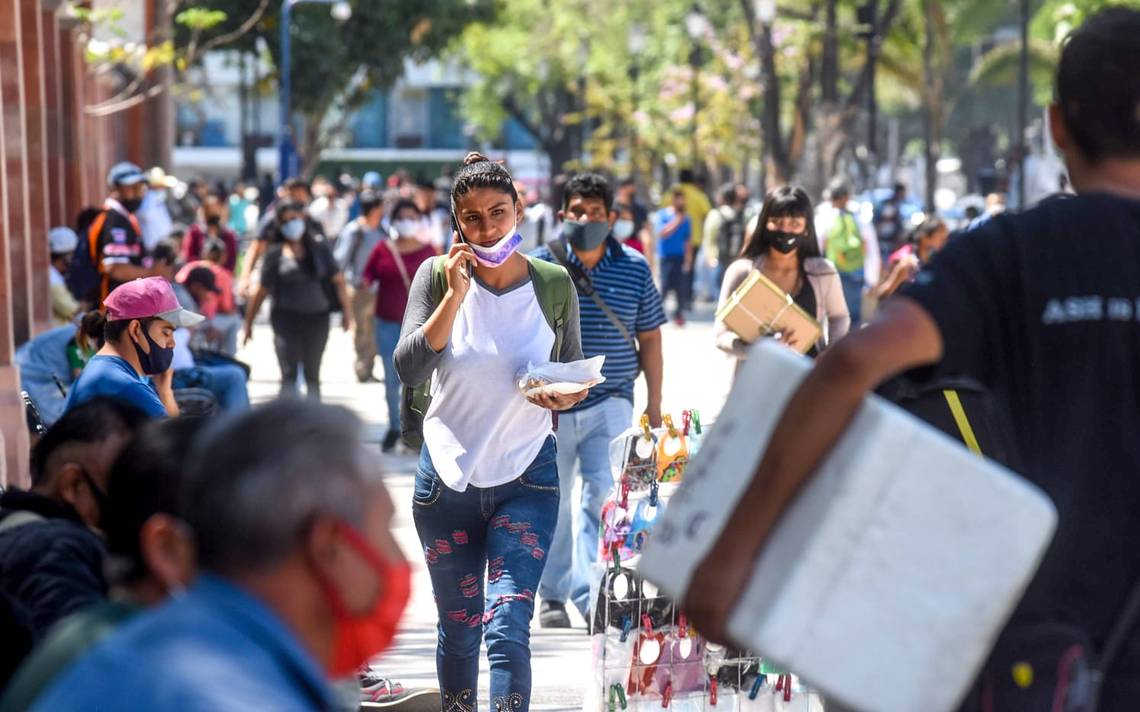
{"points": [[486, 491], [785, 250]]}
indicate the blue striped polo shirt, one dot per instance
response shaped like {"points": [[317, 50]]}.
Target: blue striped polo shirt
{"points": [[621, 278]]}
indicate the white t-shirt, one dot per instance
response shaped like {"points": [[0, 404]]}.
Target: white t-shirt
{"points": [[479, 429]]}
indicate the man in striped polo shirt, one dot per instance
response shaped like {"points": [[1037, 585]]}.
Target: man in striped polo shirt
{"points": [[621, 316]]}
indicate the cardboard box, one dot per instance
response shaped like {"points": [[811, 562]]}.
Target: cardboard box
{"points": [[758, 308]]}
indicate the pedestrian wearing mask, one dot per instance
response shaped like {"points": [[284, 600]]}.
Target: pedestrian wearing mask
{"points": [[296, 583], [140, 319], [114, 236], [621, 316], [51, 558], [210, 226], [62, 242], [390, 267], [486, 491], [302, 276], [785, 250], [353, 248], [625, 228]]}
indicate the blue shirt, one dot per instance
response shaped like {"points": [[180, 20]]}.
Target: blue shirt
{"points": [[674, 245], [623, 280], [113, 377], [216, 648]]}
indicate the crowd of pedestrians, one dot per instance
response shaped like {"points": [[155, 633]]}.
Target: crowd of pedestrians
{"points": [[177, 548]]}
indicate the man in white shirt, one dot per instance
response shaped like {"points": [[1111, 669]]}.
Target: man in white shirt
{"points": [[62, 242], [850, 244]]}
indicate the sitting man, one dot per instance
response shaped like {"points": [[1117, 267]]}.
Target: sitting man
{"points": [[215, 302], [297, 583], [51, 558], [149, 553]]}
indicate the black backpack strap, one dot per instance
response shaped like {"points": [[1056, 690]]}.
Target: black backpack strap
{"points": [[1120, 631], [586, 288]]}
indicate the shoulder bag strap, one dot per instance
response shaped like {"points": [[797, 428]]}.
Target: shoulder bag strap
{"points": [[399, 260], [586, 287], [961, 420]]}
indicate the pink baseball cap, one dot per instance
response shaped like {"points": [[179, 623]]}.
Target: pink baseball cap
{"points": [[145, 298]]}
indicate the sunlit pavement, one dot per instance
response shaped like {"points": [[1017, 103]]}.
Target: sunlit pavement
{"points": [[696, 375]]}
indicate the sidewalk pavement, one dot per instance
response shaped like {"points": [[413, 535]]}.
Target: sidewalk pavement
{"points": [[696, 375]]}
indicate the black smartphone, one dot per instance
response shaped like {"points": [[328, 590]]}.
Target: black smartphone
{"points": [[459, 233]]}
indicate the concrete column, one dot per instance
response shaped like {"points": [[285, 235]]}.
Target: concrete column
{"points": [[53, 110], [14, 440], [35, 132], [71, 122], [15, 165]]}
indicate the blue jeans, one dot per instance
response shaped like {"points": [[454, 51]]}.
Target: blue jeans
{"points": [[853, 294], [584, 438], [387, 336], [675, 279], [225, 381], [485, 551]]}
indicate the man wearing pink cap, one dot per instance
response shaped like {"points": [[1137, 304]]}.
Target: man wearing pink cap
{"points": [[141, 317]]}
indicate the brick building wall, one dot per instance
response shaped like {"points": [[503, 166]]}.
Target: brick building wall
{"points": [[54, 157]]}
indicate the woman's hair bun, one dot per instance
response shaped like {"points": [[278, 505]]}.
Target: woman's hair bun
{"points": [[474, 157]]}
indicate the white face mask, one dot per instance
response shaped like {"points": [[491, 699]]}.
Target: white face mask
{"points": [[406, 228], [623, 229]]}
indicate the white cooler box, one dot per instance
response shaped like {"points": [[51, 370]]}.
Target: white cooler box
{"points": [[887, 581]]}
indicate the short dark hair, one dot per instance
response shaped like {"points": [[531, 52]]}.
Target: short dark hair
{"points": [[404, 204], [727, 194], [294, 183], [478, 171], [678, 193], [89, 422], [838, 188], [588, 185], [258, 479], [145, 481], [165, 251], [284, 206], [1098, 84], [370, 200], [627, 181], [114, 330]]}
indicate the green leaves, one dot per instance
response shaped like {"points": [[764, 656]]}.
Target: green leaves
{"points": [[200, 19]]}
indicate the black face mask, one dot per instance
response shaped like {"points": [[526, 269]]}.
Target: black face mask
{"points": [[214, 220], [784, 242], [159, 358], [131, 204]]}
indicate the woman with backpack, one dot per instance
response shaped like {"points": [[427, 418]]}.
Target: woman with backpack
{"points": [[306, 284], [785, 249], [391, 265], [486, 490]]}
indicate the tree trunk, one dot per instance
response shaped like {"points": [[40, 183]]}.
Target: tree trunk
{"points": [[931, 112]]}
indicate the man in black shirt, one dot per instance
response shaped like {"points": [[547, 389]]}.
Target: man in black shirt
{"points": [[115, 237], [1043, 308]]}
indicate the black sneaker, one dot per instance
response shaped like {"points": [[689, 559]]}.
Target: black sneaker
{"points": [[390, 439], [553, 615]]}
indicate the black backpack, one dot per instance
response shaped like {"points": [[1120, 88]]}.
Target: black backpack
{"points": [[730, 238], [83, 278]]}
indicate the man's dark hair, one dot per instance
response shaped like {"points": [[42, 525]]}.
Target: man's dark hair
{"points": [[1098, 84], [165, 251], [588, 185], [370, 200], [627, 181], [114, 330], [145, 481], [294, 183], [257, 481], [90, 422], [838, 188], [678, 193], [727, 194], [478, 171], [404, 204]]}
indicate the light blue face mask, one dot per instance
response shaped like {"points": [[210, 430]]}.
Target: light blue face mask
{"points": [[293, 230]]}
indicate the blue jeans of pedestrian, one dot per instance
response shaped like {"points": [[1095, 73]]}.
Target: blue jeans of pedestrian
{"points": [[387, 336], [485, 551], [675, 279], [853, 294], [225, 381], [583, 439]]}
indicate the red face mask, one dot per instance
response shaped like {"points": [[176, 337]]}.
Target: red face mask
{"points": [[357, 639]]}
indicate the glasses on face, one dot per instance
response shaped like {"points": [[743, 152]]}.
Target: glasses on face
{"points": [[788, 224]]}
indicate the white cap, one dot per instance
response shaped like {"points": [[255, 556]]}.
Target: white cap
{"points": [[62, 240]]}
